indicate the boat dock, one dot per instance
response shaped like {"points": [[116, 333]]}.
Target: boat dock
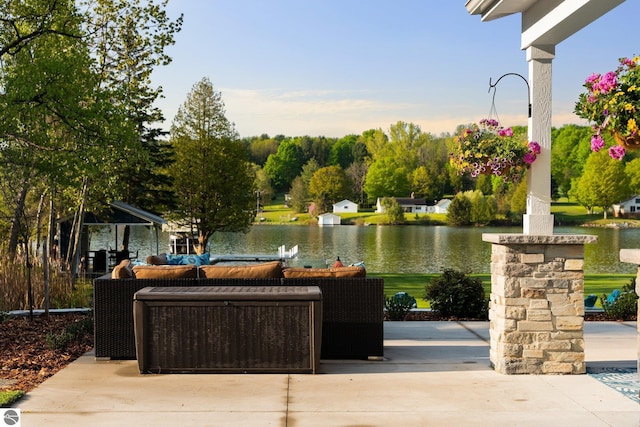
{"points": [[282, 255]]}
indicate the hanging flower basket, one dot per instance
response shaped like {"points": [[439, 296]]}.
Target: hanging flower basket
{"points": [[487, 148], [629, 142], [612, 103]]}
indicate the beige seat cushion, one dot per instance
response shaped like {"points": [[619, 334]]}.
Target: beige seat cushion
{"points": [[122, 270], [301, 273], [268, 270], [165, 271]]}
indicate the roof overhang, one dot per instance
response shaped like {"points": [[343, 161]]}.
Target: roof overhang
{"points": [[544, 22], [120, 213], [495, 9]]}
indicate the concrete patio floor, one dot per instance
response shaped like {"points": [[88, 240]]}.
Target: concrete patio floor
{"points": [[434, 374]]}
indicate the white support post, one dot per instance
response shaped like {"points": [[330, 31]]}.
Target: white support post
{"points": [[538, 219]]}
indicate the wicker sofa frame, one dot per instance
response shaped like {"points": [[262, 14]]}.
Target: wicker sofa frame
{"points": [[352, 313]]}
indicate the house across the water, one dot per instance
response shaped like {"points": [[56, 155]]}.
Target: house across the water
{"points": [[417, 205]]}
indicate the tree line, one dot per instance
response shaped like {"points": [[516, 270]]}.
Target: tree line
{"points": [[403, 161]]}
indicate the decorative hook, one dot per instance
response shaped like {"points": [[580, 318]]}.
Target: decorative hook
{"points": [[493, 86]]}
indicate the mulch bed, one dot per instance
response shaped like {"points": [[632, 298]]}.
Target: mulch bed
{"points": [[25, 359]]}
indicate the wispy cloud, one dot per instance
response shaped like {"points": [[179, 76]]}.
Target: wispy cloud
{"points": [[308, 112]]}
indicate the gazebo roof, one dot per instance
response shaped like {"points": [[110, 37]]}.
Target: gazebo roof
{"points": [[120, 213]]}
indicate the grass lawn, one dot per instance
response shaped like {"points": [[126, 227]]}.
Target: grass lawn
{"points": [[414, 284]]}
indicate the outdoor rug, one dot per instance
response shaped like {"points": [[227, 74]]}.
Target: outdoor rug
{"points": [[624, 380]]}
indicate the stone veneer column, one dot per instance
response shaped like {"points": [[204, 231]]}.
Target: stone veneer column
{"points": [[537, 303], [632, 256]]}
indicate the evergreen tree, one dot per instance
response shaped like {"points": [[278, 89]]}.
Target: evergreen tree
{"points": [[213, 180], [459, 212]]}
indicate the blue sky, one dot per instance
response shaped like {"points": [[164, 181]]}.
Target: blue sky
{"points": [[338, 67]]}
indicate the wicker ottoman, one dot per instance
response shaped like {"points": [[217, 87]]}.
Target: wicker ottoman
{"points": [[228, 329]]}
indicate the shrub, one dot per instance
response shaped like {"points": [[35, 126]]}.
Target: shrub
{"points": [[70, 334], [399, 305], [625, 307], [456, 294]]}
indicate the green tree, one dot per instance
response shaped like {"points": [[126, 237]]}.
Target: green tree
{"points": [[484, 184], [421, 181], [263, 186], [308, 170], [483, 209], [632, 170], [375, 140], [128, 39], [328, 185], [315, 148], [569, 153], [602, 183], [459, 212], [285, 165], [357, 173], [341, 153], [518, 199], [386, 177], [213, 179], [260, 148], [405, 141], [392, 210], [299, 195]]}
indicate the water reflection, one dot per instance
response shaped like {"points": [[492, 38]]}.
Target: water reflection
{"points": [[405, 249]]}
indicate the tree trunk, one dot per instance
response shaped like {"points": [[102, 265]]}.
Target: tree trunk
{"points": [[77, 233], [38, 225], [46, 275], [51, 233], [203, 238], [16, 222]]}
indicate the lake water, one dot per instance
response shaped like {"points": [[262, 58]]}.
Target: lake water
{"points": [[386, 249]]}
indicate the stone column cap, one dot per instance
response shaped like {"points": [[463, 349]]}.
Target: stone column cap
{"points": [[528, 239], [632, 256]]}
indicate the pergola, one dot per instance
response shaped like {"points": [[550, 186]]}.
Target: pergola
{"points": [[118, 214], [537, 277], [545, 23]]}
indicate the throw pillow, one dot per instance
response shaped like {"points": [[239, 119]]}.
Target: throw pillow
{"points": [[188, 259], [122, 270], [160, 259]]}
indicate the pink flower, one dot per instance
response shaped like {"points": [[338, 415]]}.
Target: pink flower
{"points": [[628, 62], [530, 157], [505, 132], [597, 143], [608, 82], [535, 147], [489, 122], [617, 152], [593, 78]]}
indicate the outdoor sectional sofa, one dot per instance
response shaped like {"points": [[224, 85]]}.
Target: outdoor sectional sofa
{"points": [[352, 304]]}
